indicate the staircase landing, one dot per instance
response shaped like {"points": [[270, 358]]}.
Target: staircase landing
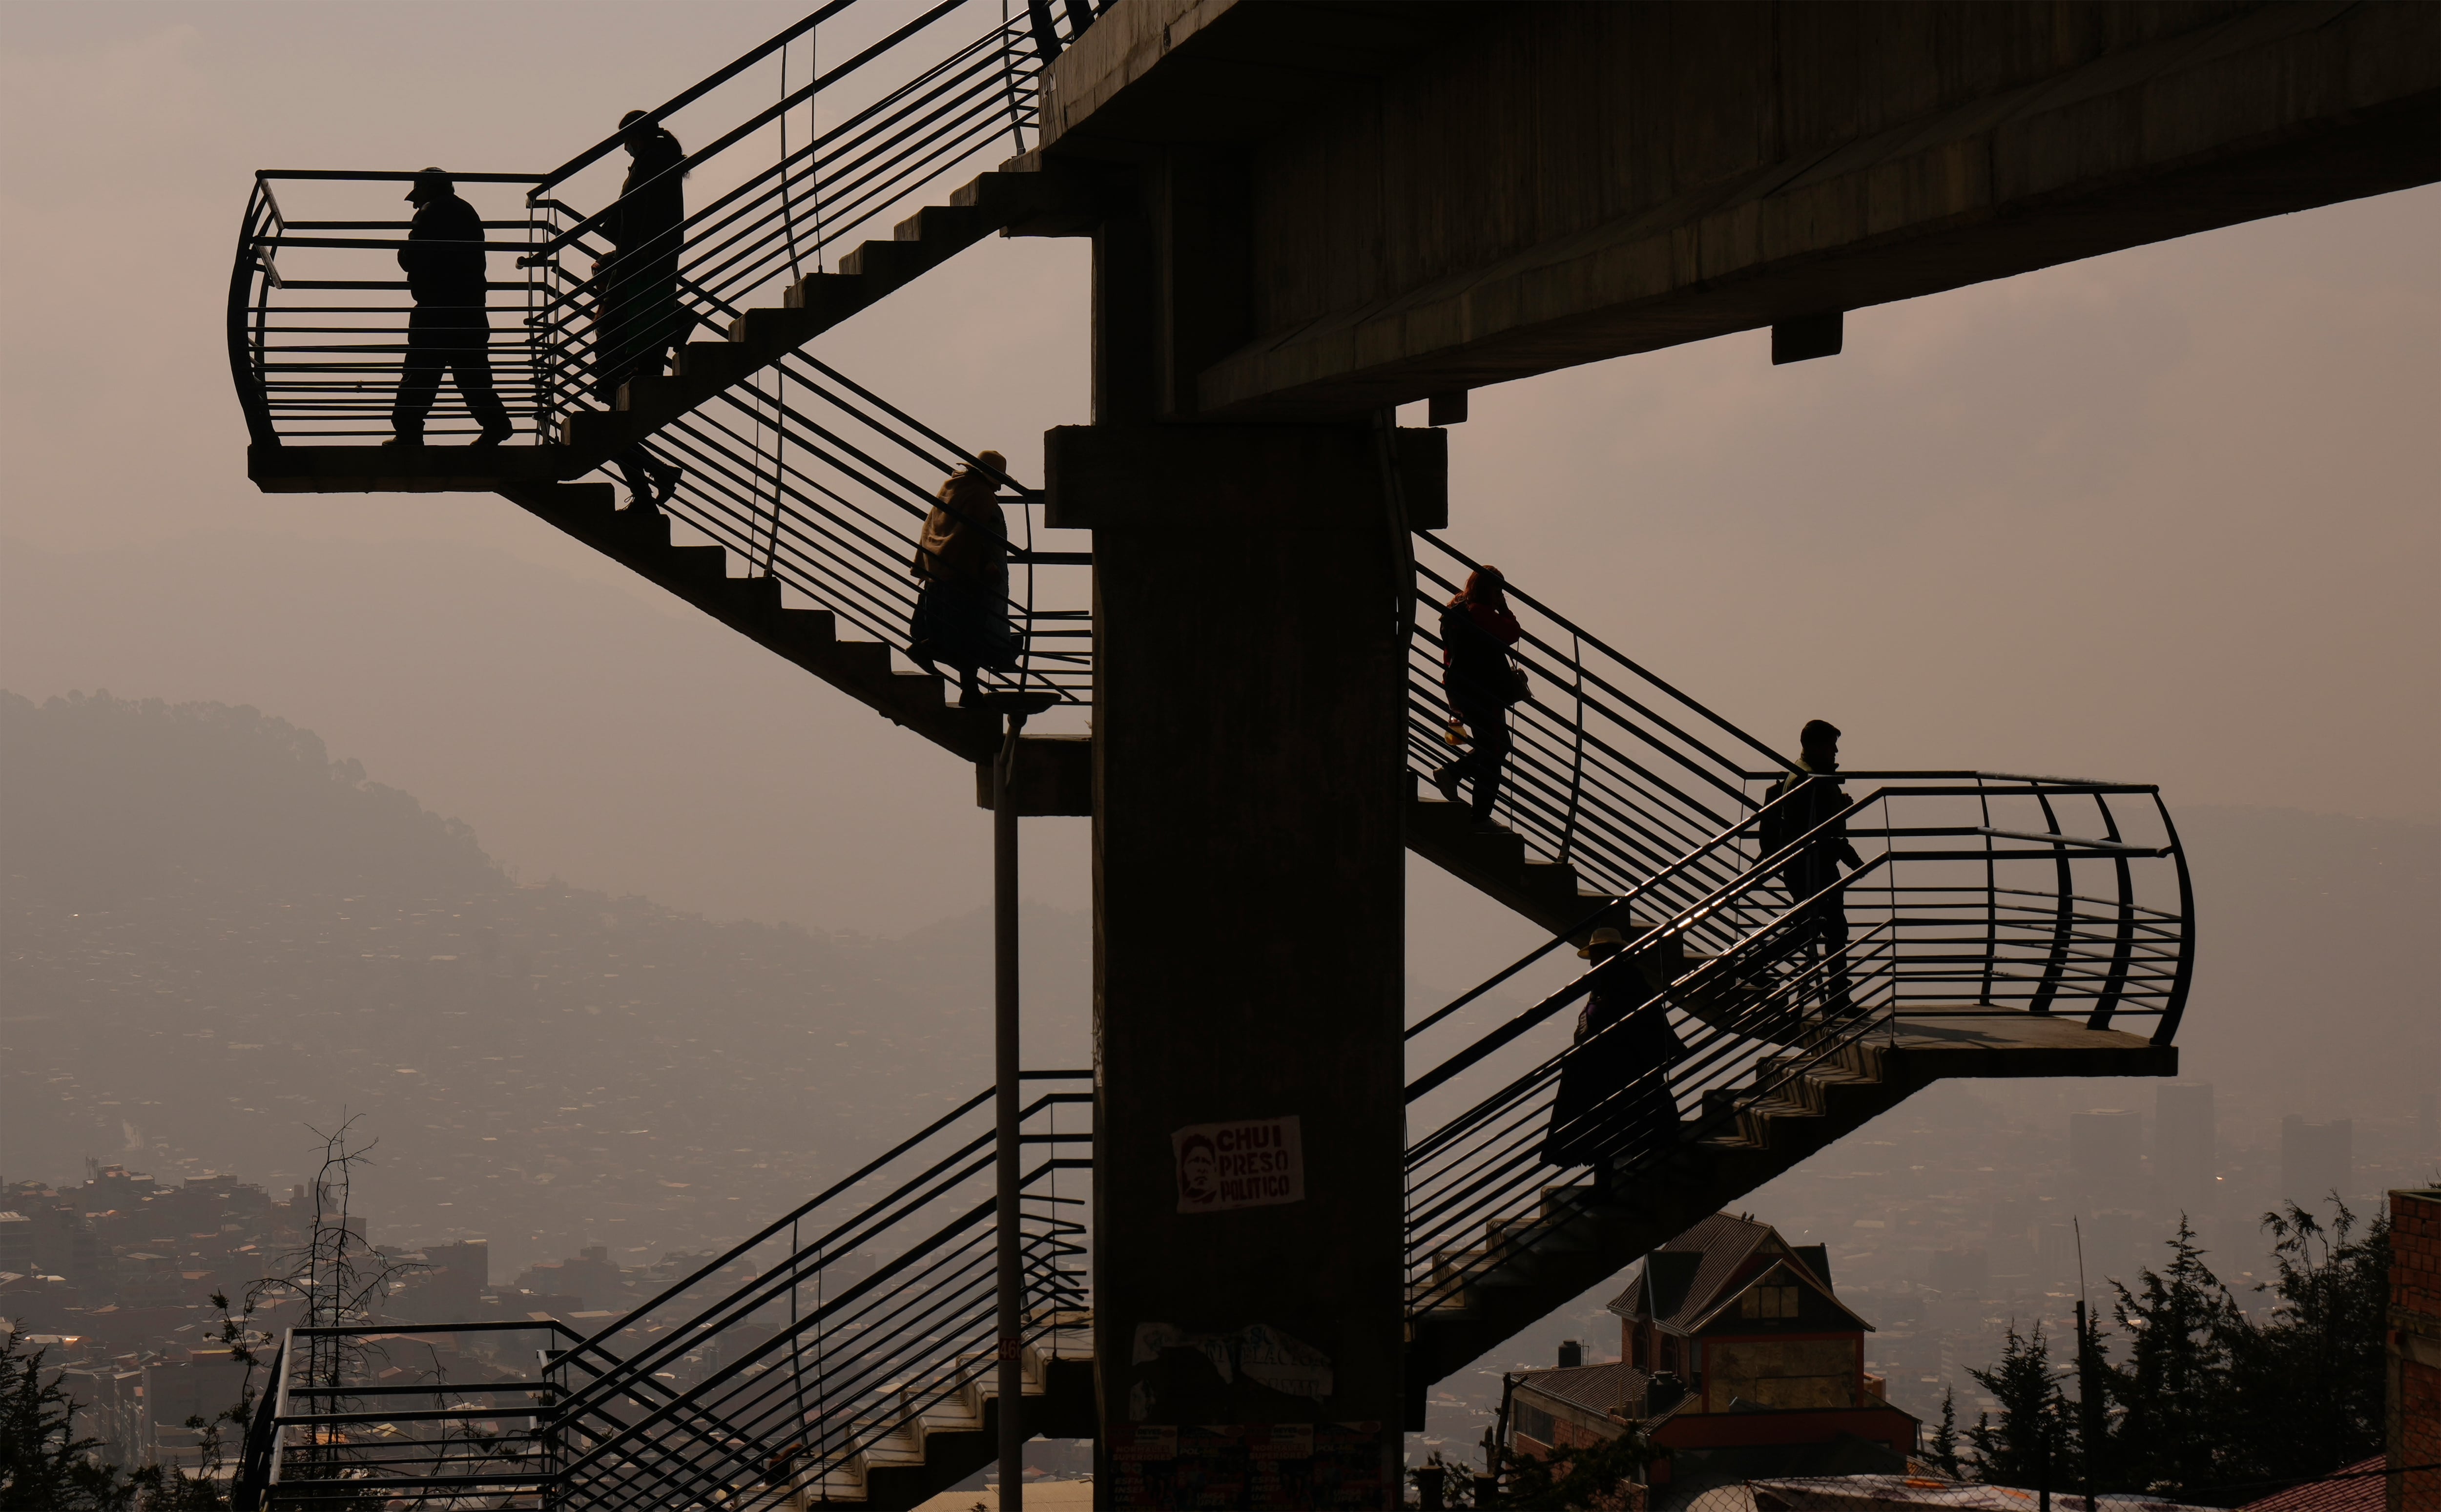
{"points": [[1965, 1041], [438, 469], [1534, 1261]]}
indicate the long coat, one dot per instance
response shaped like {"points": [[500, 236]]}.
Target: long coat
{"points": [[962, 559], [1614, 1100]]}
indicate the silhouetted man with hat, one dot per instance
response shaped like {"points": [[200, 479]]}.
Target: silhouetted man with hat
{"points": [[444, 260]]}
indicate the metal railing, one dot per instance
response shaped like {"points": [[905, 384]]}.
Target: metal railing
{"points": [[878, 1309], [1614, 771], [318, 305], [1972, 899], [384, 1420], [812, 478], [872, 1305], [783, 219], [317, 309]]}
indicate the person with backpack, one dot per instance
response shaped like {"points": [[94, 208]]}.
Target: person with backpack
{"points": [[639, 318], [1481, 680], [1816, 810], [962, 562]]}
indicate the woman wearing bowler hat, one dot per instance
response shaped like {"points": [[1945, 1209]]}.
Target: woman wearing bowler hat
{"points": [[1614, 1104]]}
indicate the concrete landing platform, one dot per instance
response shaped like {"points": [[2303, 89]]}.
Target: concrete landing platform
{"points": [[404, 469], [1930, 1044]]}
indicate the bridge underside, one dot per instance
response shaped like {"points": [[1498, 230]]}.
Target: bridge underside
{"points": [[1439, 197]]}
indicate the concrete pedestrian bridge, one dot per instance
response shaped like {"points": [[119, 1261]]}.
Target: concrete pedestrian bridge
{"points": [[1301, 216]]}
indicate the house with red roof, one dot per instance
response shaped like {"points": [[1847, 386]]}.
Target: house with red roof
{"points": [[1734, 1352]]}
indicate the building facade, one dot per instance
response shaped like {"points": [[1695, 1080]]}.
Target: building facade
{"points": [[1734, 1348]]}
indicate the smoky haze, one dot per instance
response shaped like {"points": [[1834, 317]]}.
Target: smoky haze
{"points": [[2167, 515]]}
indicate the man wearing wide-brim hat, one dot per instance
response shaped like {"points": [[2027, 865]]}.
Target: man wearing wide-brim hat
{"points": [[1614, 1109], [445, 274]]}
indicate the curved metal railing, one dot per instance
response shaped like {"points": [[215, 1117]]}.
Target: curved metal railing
{"points": [[318, 310], [1975, 897]]}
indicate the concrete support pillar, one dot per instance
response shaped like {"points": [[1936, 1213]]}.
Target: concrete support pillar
{"points": [[1248, 876]]}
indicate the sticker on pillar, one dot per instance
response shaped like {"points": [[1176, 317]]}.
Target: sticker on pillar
{"points": [[1249, 1164]]}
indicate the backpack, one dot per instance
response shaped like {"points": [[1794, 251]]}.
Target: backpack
{"points": [[1780, 827]]}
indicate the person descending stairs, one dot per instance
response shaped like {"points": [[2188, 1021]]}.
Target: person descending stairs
{"points": [[1480, 681]]}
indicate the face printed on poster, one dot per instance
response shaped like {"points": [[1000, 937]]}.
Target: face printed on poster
{"points": [[1248, 1163]]}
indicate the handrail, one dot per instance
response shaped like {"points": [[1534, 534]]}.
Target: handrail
{"points": [[753, 123], [693, 93], [759, 1423], [1943, 922]]}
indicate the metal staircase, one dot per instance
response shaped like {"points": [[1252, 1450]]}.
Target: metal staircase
{"points": [[2000, 925]]}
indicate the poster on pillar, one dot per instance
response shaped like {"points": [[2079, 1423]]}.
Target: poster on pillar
{"points": [[1251, 1162], [1255, 1467]]}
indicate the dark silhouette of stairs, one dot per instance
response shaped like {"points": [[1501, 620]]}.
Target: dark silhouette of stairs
{"points": [[752, 606], [927, 1452], [1519, 1252], [757, 339], [813, 305], [1498, 865], [1526, 1267]]}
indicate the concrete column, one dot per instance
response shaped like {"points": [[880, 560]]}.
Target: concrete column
{"points": [[1249, 718]]}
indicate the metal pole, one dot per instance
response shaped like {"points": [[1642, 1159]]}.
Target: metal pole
{"points": [[1004, 1086]]}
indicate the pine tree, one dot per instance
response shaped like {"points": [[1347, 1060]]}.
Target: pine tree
{"points": [[2175, 1392], [2095, 1464], [1582, 1478], [2034, 1442], [1944, 1438], [2308, 1382], [42, 1464]]}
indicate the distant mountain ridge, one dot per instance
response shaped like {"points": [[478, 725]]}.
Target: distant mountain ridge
{"points": [[102, 795], [215, 933]]}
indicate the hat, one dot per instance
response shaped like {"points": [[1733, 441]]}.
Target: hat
{"points": [[1606, 935], [431, 178]]}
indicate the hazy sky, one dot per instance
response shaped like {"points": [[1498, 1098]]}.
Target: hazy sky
{"points": [[2167, 515]]}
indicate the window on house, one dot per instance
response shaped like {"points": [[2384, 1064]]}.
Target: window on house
{"points": [[1768, 1301], [1535, 1424]]}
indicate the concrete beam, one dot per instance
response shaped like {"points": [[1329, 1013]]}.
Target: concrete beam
{"points": [[1188, 478], [1446, 197]]}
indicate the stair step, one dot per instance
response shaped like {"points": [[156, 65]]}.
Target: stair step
{"points": [[863, 659], [634, 528], [819, 295], [888, 263], [941, 224], [757, 597], [811, 628], [717, 362]]}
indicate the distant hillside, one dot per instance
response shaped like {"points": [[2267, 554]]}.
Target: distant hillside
{"points": [[214, 934], [109, 796]]}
